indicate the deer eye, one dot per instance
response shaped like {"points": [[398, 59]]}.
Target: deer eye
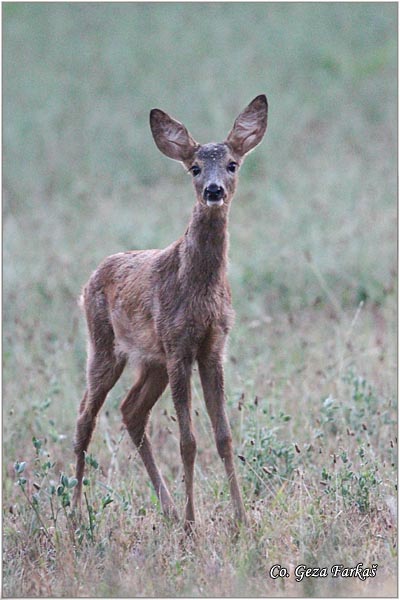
{"points": [[232, 167], [195, 170]]}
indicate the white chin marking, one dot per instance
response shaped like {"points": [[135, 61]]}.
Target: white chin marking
{"points": [[217, 203]]}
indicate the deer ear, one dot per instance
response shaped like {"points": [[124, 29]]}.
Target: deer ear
{"points": [[171, 137], [250, 126]]}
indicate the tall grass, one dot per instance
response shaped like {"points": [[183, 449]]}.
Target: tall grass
{"points": [[313, 272]]}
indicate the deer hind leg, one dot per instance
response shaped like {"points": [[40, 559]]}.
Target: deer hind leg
{"points": [[212, 380], [104, 369], [136, 409]]}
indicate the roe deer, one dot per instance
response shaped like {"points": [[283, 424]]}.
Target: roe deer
{"points": [[165, 309]]}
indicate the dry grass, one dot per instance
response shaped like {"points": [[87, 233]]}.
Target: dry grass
{"points": [[298, 514]]}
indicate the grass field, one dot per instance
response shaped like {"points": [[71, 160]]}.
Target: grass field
{"points": [[311, 366]]}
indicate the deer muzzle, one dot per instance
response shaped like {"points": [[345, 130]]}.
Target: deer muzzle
{"points": [[214, 195]]}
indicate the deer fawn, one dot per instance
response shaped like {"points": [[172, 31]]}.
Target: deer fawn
{"points": [[165, 309]]}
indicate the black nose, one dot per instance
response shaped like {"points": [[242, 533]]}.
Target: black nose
{"points": [[213, 192]]}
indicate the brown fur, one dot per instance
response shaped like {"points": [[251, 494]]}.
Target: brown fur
{"points": [[165, 309]]}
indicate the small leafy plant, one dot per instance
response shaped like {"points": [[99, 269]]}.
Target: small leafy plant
{"points": [[266, 455], [353, 484], [48, 496]]}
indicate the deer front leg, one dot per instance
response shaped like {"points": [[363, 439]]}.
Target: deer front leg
{"points": [[179, 373], [212, 381]]}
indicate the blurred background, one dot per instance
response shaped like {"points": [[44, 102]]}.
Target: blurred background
{"points": [[313, 225], [82, 176]]}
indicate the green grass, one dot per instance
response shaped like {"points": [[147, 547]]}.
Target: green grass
{"points": [[313, 269]]}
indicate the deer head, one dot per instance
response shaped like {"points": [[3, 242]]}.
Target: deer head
{"points": [[214, 166]]}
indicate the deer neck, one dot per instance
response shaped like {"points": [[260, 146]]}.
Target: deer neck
{"points": [[205, 246]]}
